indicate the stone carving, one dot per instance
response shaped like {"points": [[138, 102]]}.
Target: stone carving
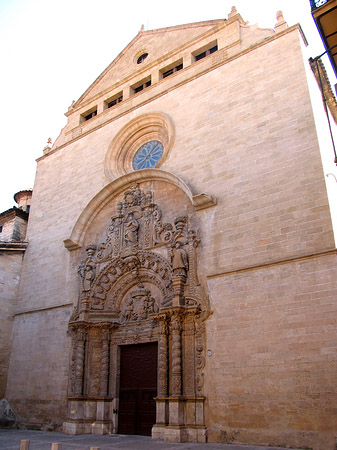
{"points": [[87, 271], [163, 355], [179, 260], [105, 362], [139, 284], [78, 335], [121, 273], [176, 353], [136, 224], [200, 359], [131, 230], [140, 305]]}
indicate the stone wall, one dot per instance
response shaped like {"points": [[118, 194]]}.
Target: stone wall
{"points": [[10, 266]]}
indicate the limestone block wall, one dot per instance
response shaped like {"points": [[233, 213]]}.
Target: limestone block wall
{"points": [[273, 357], [244, 134], [14, 228], [37, 391], [10, 266]]}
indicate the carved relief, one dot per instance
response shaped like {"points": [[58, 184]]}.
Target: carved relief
{"points": [[179, 261], [176, 353], [139, 283], [87, 271], [139, 305]]}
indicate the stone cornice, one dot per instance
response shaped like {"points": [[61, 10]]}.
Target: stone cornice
{"points": [[13, 212], [223, 273], [47, 308], [13, 246]]}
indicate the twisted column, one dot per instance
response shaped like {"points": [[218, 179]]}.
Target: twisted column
{"points": [[105, 363], [176, 354], [79, 367], [162, 357]]}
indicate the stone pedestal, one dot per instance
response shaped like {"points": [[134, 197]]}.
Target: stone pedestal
{"points": [[88, 416]]}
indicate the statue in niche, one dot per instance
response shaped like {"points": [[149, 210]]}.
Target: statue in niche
{"points": [[131, 230], [179, 260], [87, 271]]}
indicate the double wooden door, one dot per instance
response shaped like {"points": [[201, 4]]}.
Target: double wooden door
{"points": [[138, 388]]}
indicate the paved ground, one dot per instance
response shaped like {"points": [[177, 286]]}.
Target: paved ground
{"points": [[40, 440]]}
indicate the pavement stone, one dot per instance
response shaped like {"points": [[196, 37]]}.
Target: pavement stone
{"points": [[42, 440]]}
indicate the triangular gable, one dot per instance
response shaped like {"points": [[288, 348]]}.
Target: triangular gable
{"points": [[156, 43]]}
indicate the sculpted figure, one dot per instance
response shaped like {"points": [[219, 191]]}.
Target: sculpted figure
{"points": [[87, 271], [128, 311], [131, 230], [179, 260], [149, 305]]}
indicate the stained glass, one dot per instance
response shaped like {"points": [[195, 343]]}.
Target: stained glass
{"points": [[148, 155]]}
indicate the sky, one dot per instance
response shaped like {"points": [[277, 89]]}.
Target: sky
{"points": [[51, 51]]}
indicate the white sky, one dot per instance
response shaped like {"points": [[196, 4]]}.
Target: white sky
{"points": [[51, 51]]}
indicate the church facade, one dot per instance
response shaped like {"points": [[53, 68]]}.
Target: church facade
{"points": [[180, 274]]}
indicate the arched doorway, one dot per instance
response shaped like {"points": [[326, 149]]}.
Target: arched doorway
{"points": [[139, 293]]}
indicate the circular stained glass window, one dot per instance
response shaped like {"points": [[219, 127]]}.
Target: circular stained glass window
{"points": [[148, 155]]}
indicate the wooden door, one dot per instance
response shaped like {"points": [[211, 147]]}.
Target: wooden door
{"points": [[138, 387]]}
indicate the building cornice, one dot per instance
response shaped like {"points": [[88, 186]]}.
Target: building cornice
{"points": [[13, 212], [224, 273], [13, 246]]}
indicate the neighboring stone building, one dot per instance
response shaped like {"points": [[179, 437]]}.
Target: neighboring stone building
{"points": [[13, 227], [190, 255]]}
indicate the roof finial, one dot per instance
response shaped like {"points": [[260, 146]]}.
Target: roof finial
{"points": [[142, 28], [48, 146], [281, 24], [233, 12]]}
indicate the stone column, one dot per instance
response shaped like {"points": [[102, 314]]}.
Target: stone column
{"points": [[176, 354], [162, 357], [189, 353], [79, 369], [105, 362]]}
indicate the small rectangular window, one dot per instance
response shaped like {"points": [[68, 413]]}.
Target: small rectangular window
{"points": [[1, 228], [88, 114], [205, 51], [113, 101], [171, 69], [141, 85]]}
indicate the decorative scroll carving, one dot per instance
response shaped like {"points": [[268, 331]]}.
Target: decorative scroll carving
{"points": [[137, 224], [121, 273]]}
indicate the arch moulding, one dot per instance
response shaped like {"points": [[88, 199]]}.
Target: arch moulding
{"points": [[113, 189]]}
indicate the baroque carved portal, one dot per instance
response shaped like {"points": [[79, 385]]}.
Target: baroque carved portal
{"points": [[139, 284]]}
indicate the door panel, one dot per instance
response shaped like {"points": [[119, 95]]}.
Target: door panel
{"points": [[138, 387]]}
